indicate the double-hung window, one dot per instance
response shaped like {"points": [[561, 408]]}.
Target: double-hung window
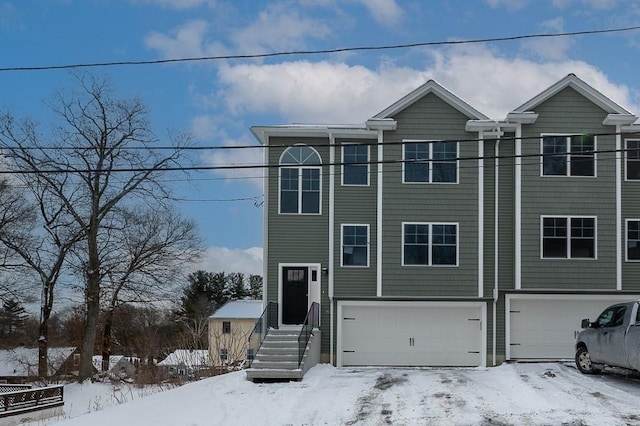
{"points": [[224, 354], [633, 240], [632, 155], [565, 237], [429, 244], [355, 164], [568, 155], [355, 245], [226, 327], [430, 162], [300, 180]]}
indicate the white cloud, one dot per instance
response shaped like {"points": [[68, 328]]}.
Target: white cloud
{"points": [[555, 48], [509, 4], [314, 92], [385, 12], [186, 41], [239, 157], [325, 92], [177, 4], [222, 259], [594, 4], [278, 28]]}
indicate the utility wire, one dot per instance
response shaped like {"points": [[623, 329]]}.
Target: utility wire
{"points": [[279, 166], [344, 141], [318, 51]]}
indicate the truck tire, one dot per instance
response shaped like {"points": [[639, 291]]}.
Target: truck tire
{"points": [[583, 361]]}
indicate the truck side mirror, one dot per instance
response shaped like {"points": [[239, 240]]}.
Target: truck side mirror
{"points": [[585, 323]]}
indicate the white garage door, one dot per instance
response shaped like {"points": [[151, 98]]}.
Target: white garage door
{"points": [[411, 334], [545, 326]]}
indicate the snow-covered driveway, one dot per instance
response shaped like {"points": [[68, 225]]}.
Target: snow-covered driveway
{"points": [[510, 394]]}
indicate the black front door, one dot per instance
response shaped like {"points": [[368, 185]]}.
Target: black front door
{"points": [[295, 294]]}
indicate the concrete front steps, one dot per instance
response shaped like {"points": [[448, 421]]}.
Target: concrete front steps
{"points": [[277, 358]]}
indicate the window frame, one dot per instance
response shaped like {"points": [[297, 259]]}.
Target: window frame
{"points": [[626, 159], [367, 245], [430, 245], [224, 354], [429, 161], [300, 168], [366, 164], [226, 327], [568, 237], [627, 239], [567, 155]]}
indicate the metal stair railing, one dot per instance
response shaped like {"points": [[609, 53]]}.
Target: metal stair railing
{"points": [[310, 322], [268, 319]]}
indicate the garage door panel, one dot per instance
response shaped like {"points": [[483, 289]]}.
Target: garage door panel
{"points": [[411, 335], [546, 328]]}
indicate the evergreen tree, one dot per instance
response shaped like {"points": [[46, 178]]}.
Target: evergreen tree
{"points": [[237, 287], [13, 317], [255, 287]]}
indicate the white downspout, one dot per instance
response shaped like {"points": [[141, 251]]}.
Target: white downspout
{"points": [[619, 228], [380, 159], [518, 207], [495, 246]]}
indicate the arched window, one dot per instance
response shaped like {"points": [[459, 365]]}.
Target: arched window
{"points": [[300, 173]]}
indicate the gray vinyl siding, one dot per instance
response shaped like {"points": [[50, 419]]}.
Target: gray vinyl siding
{"points": [[432, 119], [356, 205], [295, 238], [568, 112]]}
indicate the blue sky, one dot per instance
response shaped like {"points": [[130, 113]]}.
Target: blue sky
{"points": [[218, 101]]}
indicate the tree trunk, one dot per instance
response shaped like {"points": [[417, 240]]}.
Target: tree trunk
{"points": [[46, 306], [92, 295], [43, 344], [90, 325], [106, 340]]}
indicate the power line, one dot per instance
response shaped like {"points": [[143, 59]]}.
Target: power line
{"points": [[279, 166], [317, 51], [344, 141]]}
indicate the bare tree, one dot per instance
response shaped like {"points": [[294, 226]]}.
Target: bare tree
{"points": [[151, 249], [42, 249], [99, 157]]}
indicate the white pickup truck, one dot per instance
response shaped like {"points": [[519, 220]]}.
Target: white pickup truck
{"points": [[613, 339]]}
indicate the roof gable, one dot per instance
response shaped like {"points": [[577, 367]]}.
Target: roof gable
{"points": [[432, 87], [572, 81]]}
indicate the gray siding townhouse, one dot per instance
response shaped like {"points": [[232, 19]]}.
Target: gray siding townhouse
{"points": [[433, 235]]}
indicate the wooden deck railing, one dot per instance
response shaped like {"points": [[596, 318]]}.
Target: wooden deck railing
{"points": [[31, 400]]}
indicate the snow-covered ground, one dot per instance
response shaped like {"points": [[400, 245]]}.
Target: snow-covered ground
{"points": [[510, 394]]}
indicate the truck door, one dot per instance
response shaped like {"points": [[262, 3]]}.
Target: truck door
{"points": [[633, 339], [609, 336]]}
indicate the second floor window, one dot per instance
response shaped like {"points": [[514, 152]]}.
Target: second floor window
{"points": [[300, 180], [355, 167], [430, 244], [568, 237], [355, 245], [568, 155], [632, 155], [226, 326], [430, 162]]}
